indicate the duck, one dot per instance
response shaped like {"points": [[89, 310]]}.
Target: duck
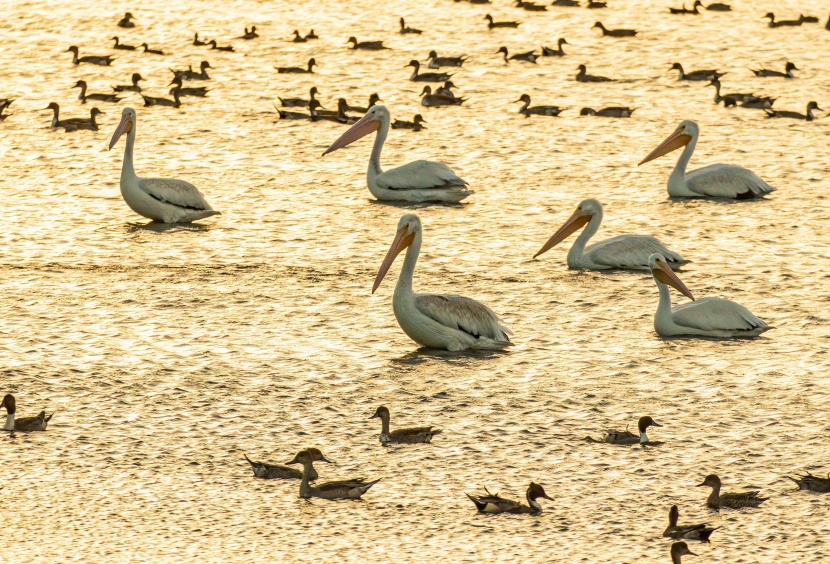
{"points": [[719, 7], [198, 42], [23, 424], [678, 550], [155, 101], [312, 35], [446, 89], [552, 111], [795, 115], [615, 32], [250, 34], [696, 75], [494, 24], [405, 29], [296, 70], [738, 97], [102, 61], [529, 57], [268, 471], [367, 45], [701, 531], [436, 62], [494, 504], [226, 48], [594, 5], [430, 100], [716, 500], [298, 38], [373, 99], [75, 124], [414, 125], [190, 74], [627, 437], [344, 489], [200, 91], [4, 103], [812, 483], [126, 21], [83, 97], [530, 6], [322, 114], [412, 435], [549, 52], [427, 76], [788, 71], [782, 23], [685, 10], [121, 46], [611, 111], [756, 102], [569, 3], [151, 51], [583, 77], [299, 102]]}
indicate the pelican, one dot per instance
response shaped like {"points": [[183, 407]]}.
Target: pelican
{"points": [[629, 252], [706, 317], [445, 321], [713, 181], [418, 181], [165, 200]]}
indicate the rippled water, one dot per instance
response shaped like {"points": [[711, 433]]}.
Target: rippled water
{"points": [[168, 352]]}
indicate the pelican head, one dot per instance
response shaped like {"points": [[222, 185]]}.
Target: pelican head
{"points": [[663, 274], [371, 121], [408, 228], [685, 132], [583, 214], [127, 124]]}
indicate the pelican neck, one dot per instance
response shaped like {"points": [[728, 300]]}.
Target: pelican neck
{"points": [[577, 250], [664, 306], [127, 166], [678, 175], [404, 284], [374, 160]]}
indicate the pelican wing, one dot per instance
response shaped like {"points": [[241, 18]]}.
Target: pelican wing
{"points": [[175, 192], [716, 314], [463, 314], [419, 175], [726, 181], [631, 251]]}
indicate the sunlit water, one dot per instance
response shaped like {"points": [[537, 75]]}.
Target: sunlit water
{"points": [[168, 352]]}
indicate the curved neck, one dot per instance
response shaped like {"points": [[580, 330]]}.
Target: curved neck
{"points": [[578, 248], [714, 497], [374, 160], [675, 558], [534, 505], [405, 278], [384, 421], [525, 107], [304, 487], [679, 172], [664, 306], [127, 166]]}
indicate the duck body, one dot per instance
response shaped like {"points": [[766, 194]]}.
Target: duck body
{"points": [[121, 46], [808, 116], [155, 101], [267, 471], [126, 22], [101, 61], [215, 47], [788, 72], [583, 76], [559, 52], [298, 70], [22, 424], [615, 32], [83, 97], [716, 500], [414, 125], [494, 504], [134, 87], [190, 74], [404, 29], [430, 100], [412, 435], [782, 23], [427, 76], [700, 532], [343, 489], [592, 5], [436, 62], [298, 102], [528, 111], [491, 24], [528, 57], [812, 483], [367, 45], [697, 75], [530, 6], [626, 437], [719, 7], [613, 111]]}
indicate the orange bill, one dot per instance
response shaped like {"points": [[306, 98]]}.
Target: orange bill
{"points": [[674, 141], [402, 240], [576, 221]]}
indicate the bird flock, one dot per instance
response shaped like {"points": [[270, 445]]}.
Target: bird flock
{"points": [[455, 322]]}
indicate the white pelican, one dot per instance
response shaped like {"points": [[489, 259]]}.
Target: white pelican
{"points": [[625, 251], [419, 181], [713, 181], [444, 321], [165, 200], [706, 317]]}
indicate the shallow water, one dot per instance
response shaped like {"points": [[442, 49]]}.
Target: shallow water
{"points": [[168, 352]]}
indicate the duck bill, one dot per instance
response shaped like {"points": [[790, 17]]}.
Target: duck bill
{"points": [[363, 127], [672, 142], [402, 240], [655, 424], [575, 222], [125, 126], [324, 459], [667, 276]]}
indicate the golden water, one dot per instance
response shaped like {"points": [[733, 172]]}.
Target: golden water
{"points": [[167, 353]]}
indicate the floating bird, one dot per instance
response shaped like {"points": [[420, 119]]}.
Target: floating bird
{"points": [[308, 70], [716, 500], [226, 48], [795, 115], [446, 89], [200, 91], [782, 23], [696, 75], [345, 489], [122, 46], [738, 97], [83, 97], [629, 252], [548, 52], [418, 181], [4, 103], [126, 21], [23, 424], [788, 71], [529, 57], [494, 504], [552, 111], [250, 34], [312, 35], [338, 116], [565, 3], [280, 472], [155, 101], [493, 24], [430, 100], [412, 435], [446, 321], [75, 124], [436, 62], [713, 181], [198, 42], [298, 102], [151, 51], [685, 10], [678, 550], [190, 74], [414, 125], [701, 531], [594, 5], [627, 437], [164, 200], [719, 7], [612, 111], [293, 115], [812, 483], [615, 32], [103, 61], [808, 19], [367, 45], [581, 76], [706, 317], [530, 6], [373, 99], [427, 76], [405, 29], [298, 38], [758, 103]]}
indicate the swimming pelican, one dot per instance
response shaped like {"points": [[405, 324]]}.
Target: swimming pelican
{"points": [[706, 317], [165, 200], [713, 181], [624, 251], [418, 181], [438, 321]]}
